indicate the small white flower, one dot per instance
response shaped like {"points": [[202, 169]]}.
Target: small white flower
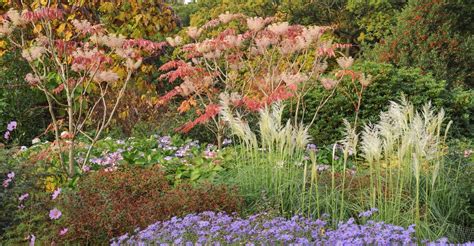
{"points": [[35, 141]]}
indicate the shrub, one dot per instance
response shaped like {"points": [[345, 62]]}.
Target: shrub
{"points": [[114, 203], [388, 84]]}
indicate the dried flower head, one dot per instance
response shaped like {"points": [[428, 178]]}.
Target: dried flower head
{"points": [[365, 81], [328, 83], [345, 62], [255, 23], [194, 32]]}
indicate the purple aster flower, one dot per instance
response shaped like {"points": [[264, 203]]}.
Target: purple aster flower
{"points": [[54, 214], [56, 193], [226, 141], [6, 135], [63, 231], [11, 175], [32, 240], [23, 197], [168, 158], [11, 126]]}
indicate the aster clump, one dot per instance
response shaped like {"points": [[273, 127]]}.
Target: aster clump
{"points": [[217, 228]]}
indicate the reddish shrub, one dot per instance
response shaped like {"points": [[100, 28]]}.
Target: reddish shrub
{"points": [[109, 204]]}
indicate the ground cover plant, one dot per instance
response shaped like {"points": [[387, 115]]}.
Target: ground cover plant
{"points": [[269, 122]]}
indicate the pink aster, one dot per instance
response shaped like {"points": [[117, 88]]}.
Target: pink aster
{"points": [[54, 214], [23, 197], [63, 231], [56, 193]]}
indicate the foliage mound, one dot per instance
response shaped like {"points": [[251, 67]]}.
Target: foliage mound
{"points": [[112, 203]]}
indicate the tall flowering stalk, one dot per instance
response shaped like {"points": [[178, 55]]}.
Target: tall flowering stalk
{"points": [[75, 71], [258, 63]]}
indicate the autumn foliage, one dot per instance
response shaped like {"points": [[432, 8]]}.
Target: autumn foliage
{"points": [[113, 203]]}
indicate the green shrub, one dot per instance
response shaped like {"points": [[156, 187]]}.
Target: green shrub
{"points": [[19, 102], [389, 83]]}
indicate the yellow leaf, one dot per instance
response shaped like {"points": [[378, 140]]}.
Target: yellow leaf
{"points": [[61, 28], [38, 28], [123, 115], [44, 2], [68, 35], [3, 44]]}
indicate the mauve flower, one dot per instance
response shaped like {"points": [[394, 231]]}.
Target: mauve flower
{"points": [[63, 231], [23, 197], [54, 214], [32, 240], [11, 175], [6, 135], [56, 193], [11, 126], [86, 168], [468, 153]]}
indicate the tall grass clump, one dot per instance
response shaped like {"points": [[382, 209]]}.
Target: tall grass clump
{"points": [[404, 159], [268, 165]]}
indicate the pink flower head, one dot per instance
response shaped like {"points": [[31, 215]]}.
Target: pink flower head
{"points": [[6, 182], [63, 231], [32, 240], [11, 175], [6, 135], [23, 197], [56, 193], [86, 168], [468, 153], [11, 126], [54, 214]]}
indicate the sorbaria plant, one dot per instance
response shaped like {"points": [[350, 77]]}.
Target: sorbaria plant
{"points": [[75, 72], [257, 61]]}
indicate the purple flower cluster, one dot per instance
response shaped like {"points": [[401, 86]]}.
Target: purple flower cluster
{"points": [[10, 127], [110, 160], [184, 150], [9, 179], [219, 228], [165, 143]]}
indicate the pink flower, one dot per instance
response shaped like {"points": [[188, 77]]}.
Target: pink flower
{"points": [[32, 240], [6, 135], [86, 169], [11, 126], [6, 182], [33, 53], [54, 214], [63, 231], [11, 175], [23, 197], [56, 193], [468, 153]]}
